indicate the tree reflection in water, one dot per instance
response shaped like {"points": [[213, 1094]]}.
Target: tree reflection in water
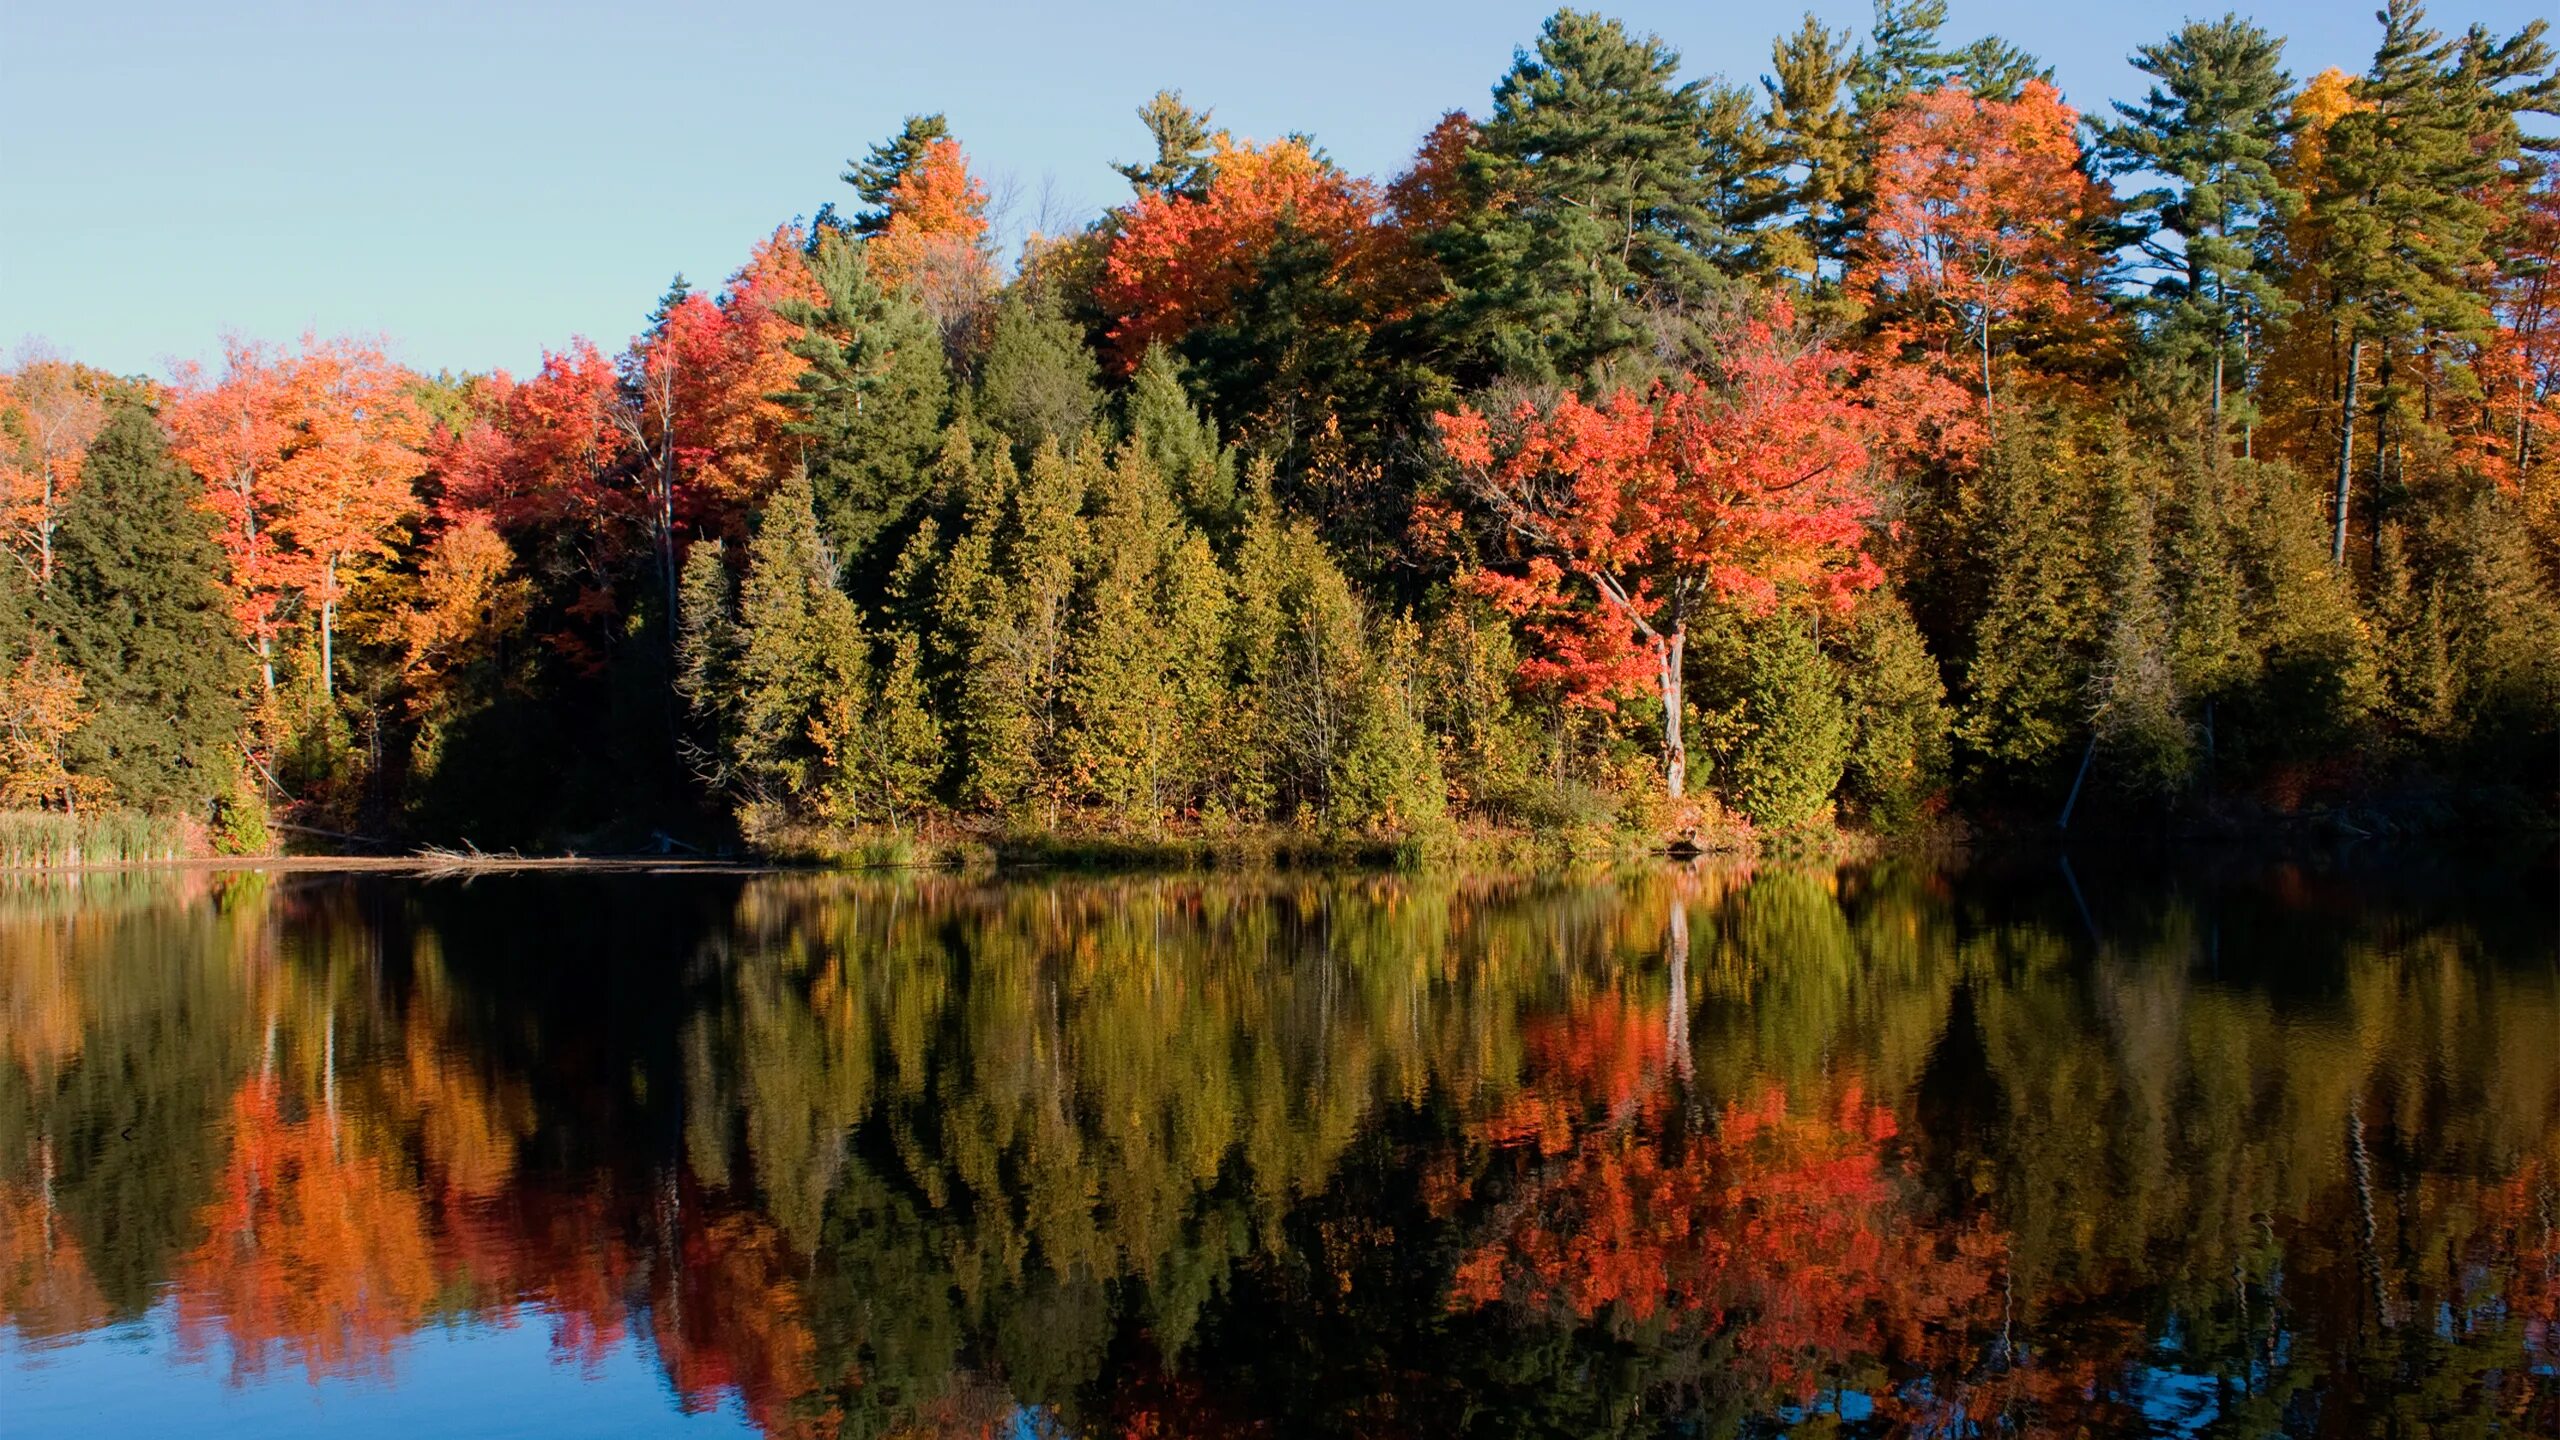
{"points": [[1662, 1151]]}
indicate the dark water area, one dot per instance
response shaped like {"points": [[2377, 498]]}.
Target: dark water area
{"points": [[2240, 1149]]}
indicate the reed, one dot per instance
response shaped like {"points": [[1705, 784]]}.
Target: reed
{"points": [[31, 838]]}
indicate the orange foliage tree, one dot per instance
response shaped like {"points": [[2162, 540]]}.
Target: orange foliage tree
{"points": [[55, 417], [1179, 262], [700, 401], [1978, 240], [311, 462], [933, 242], [1627, 517]]}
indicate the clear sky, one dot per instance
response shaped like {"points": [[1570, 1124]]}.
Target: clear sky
{"points": [[474, 181]]}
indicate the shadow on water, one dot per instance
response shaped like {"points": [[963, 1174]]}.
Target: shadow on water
{"points": [[2109, 1145]]}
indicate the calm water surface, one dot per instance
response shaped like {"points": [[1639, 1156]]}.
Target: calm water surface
{"points": [[2268, 1150]]}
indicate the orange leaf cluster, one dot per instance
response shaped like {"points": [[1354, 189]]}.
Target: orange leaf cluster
{"points": [[1180, 262], [1623, 515]]}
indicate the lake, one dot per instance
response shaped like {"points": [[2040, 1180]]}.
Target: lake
{"points": [[2243, 1147]]}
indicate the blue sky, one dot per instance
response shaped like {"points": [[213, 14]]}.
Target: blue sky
{"points": [[474, 181]]}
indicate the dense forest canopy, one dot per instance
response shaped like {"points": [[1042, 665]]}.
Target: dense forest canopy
{"points": [[1882, 439]]}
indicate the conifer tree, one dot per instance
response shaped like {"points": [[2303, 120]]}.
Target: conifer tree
{"points": [[1897, 757], [135, 609], [902, 743], [706, 637], [1124, 739], [2211, 130], [1386, 780], [2023, 690], [876, 175], [1183, 143], [2134, 700], [1814, 152], [1038, 381], [798, 666], [870, 402], [1796, 739], [1182, 443], [1594, 148]]}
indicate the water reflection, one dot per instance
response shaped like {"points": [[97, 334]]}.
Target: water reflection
{"points": [[1713, 1151]]}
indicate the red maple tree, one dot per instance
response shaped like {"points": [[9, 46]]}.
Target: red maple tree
{"points": [[1623, 520]]}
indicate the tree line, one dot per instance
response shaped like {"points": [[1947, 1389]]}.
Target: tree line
{"points": [[1882, 440]]}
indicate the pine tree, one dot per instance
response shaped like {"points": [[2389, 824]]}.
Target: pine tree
{"points": [[135, 610], [1183, 143], [2405, 203], [871, 402], [875, 177], [1814, 149], [2211, 129], [1594, 150]]}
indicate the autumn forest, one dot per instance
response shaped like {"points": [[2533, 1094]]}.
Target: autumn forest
{"points": [[1878, 442]]}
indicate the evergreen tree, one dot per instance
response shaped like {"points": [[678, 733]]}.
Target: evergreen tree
{"points": [[1902, 56], [870, 402], [2210, 131], [2134, 700], [2406, 205], [1593, 149], [706, 639], [2023, 689], [1038, 380], [1814, 151], [1386, 781], [902, 744], [1124, 742], [798, 666], [1796, 736], [136, 613], [1897, 760], [2314, 678], [134, 609], [1182, 140], [875, 177], [1182, 444]]}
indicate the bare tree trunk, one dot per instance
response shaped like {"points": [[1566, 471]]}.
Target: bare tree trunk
{"points": [[329, 633], [2346, 453], [1675, 751]]}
